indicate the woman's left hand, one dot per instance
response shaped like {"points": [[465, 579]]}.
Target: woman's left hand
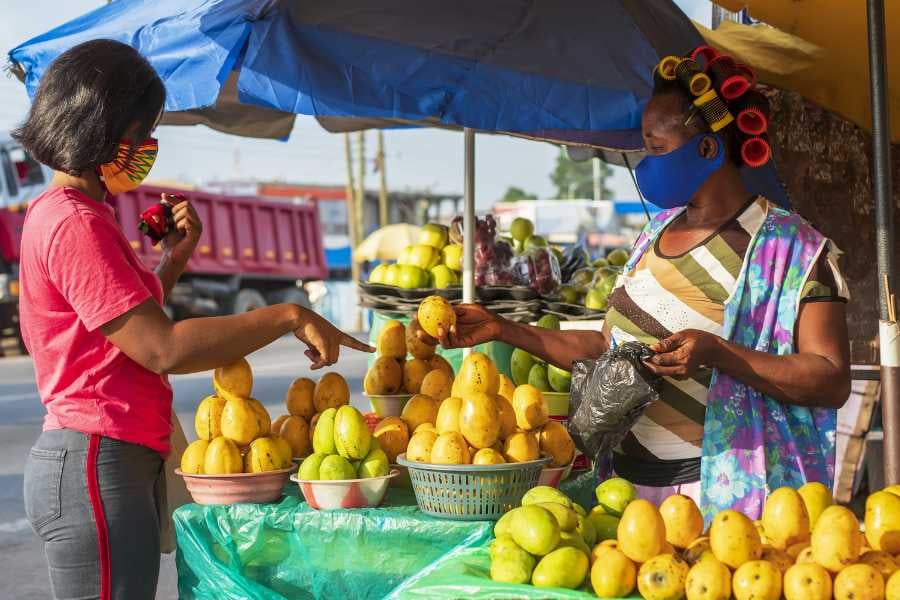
{"points": [[179, 243], [680, 355]]}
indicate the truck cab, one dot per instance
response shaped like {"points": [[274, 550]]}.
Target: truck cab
{"points": [[21, 179]]}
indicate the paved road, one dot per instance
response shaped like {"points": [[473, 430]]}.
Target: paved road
{"points": [[22, 570]]}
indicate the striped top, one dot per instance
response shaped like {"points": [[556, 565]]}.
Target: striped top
{"points": [[666, 294]]}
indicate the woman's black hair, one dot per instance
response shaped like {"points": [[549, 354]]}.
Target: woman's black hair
{"points": [[694, 120], [86, 102]]}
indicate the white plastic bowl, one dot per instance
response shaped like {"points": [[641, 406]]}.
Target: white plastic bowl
{"points": [[389, 406], [344, 493], [553, 476]]}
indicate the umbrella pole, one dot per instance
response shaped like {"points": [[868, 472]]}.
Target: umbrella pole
{"points": [[888, 331], [469, 218]]}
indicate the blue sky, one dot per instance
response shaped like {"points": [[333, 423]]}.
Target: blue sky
{"points": [[416, 159]]}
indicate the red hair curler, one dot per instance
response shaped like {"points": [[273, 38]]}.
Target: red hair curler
{"points": [[731, 80], [755, 152], [706, 53], [752, 113]]}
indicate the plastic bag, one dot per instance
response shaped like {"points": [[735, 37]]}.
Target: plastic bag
{"points": [[540, 269], [608, 396]]}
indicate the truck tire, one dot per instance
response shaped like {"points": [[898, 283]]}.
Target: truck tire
{"points": [[290, 295], [247, 300]]}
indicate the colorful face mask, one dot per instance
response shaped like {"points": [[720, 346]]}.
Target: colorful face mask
{"points": [[671, 180], [123, 175]]}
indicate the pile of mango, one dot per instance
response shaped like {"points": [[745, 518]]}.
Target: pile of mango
{"points": [[234, 430], [343, 448], [804, 547], [527, 368], [305, 401], [483, 419], [432, 262], [406, 365]]}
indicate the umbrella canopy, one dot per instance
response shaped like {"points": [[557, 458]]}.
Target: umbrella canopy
{"points": [[386, 243], [818, 49], [574, 72]]}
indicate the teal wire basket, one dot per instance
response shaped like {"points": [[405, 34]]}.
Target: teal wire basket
{"points": [[471, 492]]}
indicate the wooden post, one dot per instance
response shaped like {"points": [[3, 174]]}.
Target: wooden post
{"points": [[352, 223], [361, 186], [382, 180]]}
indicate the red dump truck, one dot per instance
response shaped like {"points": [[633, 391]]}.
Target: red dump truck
{"points": [[252, 252]]}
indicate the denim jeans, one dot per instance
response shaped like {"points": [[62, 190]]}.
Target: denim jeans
{"points": [[95, 502]]}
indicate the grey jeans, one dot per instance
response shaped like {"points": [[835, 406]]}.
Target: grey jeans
{"points": [[93, 501]]}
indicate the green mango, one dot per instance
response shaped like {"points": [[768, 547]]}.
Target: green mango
{"points": [[538, 378], [309, 468], [323, 434], [565, 516], [565, 567], [374, 465], [520, 364], [579, 509], [501, 528], [535, 529], [587, 531], [351, 434], [559, 380], [573, 540], [549, 322], [605, 525], [335, 467], [545, 493], [512, 569]]}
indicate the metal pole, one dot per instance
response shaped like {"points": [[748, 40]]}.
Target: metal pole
{"points": [[596, 165], [469, 218], [351, 225], [382, 183], [889, 340]]}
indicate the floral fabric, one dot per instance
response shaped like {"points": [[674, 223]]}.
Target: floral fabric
{"points": [[753, 443]]}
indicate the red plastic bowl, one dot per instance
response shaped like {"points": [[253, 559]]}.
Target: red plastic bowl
{"points": [[237, 487]]}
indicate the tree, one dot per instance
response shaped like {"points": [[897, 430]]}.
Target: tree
{"points": [[514, 193], [576, 179]]}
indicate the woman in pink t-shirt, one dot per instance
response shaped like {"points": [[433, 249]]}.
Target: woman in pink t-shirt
{"points": [[92, 319]]}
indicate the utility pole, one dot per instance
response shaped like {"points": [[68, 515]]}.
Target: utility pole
{"points": [[351, 224], [382, 183], [361, 186], [598, 182]]}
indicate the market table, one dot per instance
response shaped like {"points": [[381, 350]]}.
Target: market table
{"points": [[288, 550]]}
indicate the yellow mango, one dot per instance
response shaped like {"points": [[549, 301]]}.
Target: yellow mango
{"points": [[859, 582], [836, 539], [240, 422], [392, 340], [478, 373], [530, 407], [414, 372], [883, 562], [435, 313], [892, 587], [263, 420], [392, 434], [696, 550], [641, 532], [299, 398], [488, 456], [284, 448], [507, 387], [295, 432], [448, 415], [384, 378], [733, 539], [232, 380], [683, 520], [520, 447], [222, 457], [785, 518], [193, 457], [613, 575], [662, 577], [756, 580], [208, 418], [807, 582], [331, 391], [436, 384], [419, 449], [777, 557], [479, 420], [882, 522], [556, 443], [439, 362], [708, 580], [276, 424], [263, 455], [415, 346], [817, 498], [507, 416], [419, 409], [426, 427], [450, 449], [566, 567]]}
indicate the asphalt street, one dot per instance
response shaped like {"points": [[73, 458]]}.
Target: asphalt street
{"points": [[23, 570]]}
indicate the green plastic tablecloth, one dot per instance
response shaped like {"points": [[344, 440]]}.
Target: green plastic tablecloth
{"points": [[466, 573], [288, 550]]}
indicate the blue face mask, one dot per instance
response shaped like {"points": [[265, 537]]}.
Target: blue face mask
{"points": [[671, 180]]}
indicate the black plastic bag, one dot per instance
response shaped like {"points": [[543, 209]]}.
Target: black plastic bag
{"points": [[608, 396]]}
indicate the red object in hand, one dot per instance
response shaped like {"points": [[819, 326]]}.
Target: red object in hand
{"points": [[157, 220]]}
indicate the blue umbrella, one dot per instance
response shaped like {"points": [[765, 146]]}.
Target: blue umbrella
{"points": [[567, 72]]}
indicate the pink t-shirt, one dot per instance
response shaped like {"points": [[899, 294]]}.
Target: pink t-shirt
{"points": [[78, 272]]}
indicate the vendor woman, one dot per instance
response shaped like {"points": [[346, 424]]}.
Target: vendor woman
{"points": [[741, 300], [92, 318]]}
